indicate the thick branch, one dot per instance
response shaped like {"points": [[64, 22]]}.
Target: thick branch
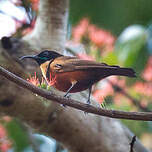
{"points": [[51, 24], [75, 104]]}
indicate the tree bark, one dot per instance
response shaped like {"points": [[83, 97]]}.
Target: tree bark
{"points": [[51, 25], [77, 131]]}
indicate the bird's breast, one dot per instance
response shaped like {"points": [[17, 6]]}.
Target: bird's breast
{"points": [[63, 81]]}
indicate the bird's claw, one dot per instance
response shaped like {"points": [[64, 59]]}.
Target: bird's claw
{"points": [[85, 112], [63, 105], [88, 102], [67, 96]]}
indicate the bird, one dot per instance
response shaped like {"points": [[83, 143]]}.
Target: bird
{"points": [[73, 74]]}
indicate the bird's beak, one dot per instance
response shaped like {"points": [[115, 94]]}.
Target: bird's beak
{"points": [[29, 56]]}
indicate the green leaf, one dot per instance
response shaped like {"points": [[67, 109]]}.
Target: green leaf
{"points": [[18, 134], [137, 127], [110, 58], [130, 47]]}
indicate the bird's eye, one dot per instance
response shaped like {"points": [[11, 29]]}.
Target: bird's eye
{"points": [[45, 54], [58, 66]]}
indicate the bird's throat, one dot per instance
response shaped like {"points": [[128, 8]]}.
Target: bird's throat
{"points": [[43, 68]]}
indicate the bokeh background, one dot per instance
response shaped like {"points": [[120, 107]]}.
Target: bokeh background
{"points": [[112, 15], [116, 32]]}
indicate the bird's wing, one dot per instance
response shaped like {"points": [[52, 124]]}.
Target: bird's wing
{"points": [[69, 64]]}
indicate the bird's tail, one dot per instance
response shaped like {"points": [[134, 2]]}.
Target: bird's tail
{"points": [[122, 72]]}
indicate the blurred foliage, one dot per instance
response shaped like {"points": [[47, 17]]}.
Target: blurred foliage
{"points": [[112, 15], [138, 127], [18, 135], [111, 58], [131, 48]]}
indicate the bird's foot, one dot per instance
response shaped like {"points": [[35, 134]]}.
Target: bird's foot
{"points": [[85, 112], [67, 96], [88, 102], [63, 105]]}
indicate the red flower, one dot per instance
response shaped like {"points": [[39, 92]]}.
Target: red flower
{"points": [[100, 37], [5, 146], [52, 80], [99, 96], [3, 133], [34, 80], [147, 74], [85, 56], [143, 88], [80, 30], [105, 90], [35, 4]]}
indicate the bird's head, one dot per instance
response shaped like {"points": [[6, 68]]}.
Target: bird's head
{"points": [[43, 56]]}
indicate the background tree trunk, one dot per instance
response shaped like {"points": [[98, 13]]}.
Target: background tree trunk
{"points": [[77, 131]]}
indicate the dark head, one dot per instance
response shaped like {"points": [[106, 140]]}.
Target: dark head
{"points": [[43, 56]]}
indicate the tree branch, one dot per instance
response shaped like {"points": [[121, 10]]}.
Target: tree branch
{"points": [[50, 27], [146, 116]]}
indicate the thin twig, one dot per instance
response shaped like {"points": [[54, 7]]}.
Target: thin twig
{"points": [[145, 116], [132, 143]]}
